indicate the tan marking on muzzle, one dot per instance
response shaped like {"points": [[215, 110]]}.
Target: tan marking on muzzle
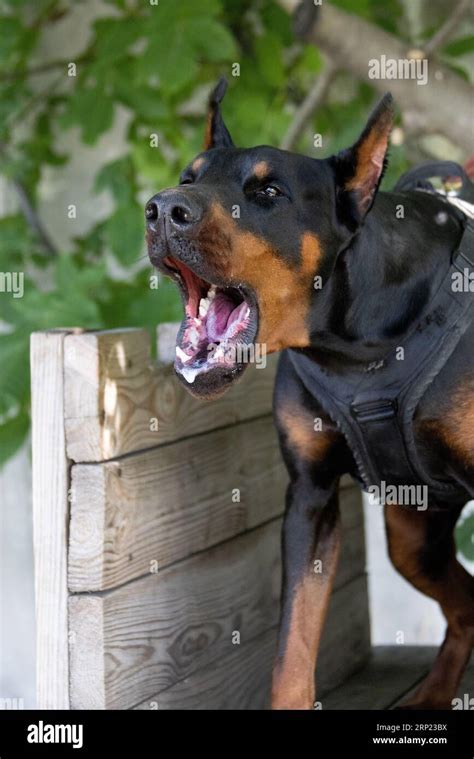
{"points": [[283, 291]]}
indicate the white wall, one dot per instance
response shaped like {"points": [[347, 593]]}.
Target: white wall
{"points": [[17, 617]]}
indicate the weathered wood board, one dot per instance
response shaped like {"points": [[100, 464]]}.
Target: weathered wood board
{"points": [[241, 679], [390, 675], [50, 513], [159, 629], [117, 401], [156, 548], [130, 514], [170, 502]]}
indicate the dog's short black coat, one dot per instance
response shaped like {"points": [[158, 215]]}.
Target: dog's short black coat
{"points": [[261, 224]]}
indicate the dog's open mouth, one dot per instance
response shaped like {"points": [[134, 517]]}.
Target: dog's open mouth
{"points": [[219, 325]]}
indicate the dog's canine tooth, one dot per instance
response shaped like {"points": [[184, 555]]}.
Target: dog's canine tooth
{"points": [[204, 304], [182, 355], [193, 336]]}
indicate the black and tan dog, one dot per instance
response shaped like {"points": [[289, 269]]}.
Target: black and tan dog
{"points": [[304, 255]]}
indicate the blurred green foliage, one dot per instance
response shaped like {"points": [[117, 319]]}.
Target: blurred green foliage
{"points": [[157, 62]]}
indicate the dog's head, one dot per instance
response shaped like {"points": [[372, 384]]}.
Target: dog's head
{"points": [[251, 236]]}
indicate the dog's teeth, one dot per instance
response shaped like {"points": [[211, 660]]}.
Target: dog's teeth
{"points": [[216, 354], [182, 355], [204, 304], [212, 292], [193, 336], [189, 373]]}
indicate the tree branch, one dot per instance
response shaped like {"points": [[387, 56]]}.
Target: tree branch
{"points": [[442, 106], [447, 29], [33, 219], [43, 68], [30, 214], [313, 100]]}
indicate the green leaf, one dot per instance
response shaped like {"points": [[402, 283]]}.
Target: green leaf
{"points": [[145, 102], [14, 360], [135, 304], [174, 62], [117, 177], [269, 57], [278, 21], [125, 233], [212, 40], [114, 36], [13, 433], [184, 34], [92, 110], [462, 46], [465, 537], [11, 31]]}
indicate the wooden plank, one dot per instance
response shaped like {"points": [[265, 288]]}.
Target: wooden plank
{"points": [[241, 679], [466, 686], [86, 651], [161, 628], [345, 644], [116, 397], [390, 675], [127, 514], [168, 503], [50, 515]]}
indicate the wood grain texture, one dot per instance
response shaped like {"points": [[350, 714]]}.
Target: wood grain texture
{"points": [[427, 654], [129, 513], [115, 397], [170, 502], [50, 515], [241, 678], [86, 651], [160, 629], [345, 643], [391, 673]]}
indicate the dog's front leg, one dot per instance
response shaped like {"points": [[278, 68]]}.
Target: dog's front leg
{"points": [[311, 537]]}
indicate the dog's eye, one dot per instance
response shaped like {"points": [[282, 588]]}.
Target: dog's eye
{"points": [[269, 191], [186, 180]]}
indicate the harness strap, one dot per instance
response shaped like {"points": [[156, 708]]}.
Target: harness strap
{"points": [[375, 409], [418, 176]]}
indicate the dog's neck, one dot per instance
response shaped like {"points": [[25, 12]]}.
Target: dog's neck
{"points": [[384, 280]]}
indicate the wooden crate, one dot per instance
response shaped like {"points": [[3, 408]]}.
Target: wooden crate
{"points": [[157, 528]]}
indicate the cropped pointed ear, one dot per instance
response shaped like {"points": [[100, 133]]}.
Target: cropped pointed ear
{"points": [[216, 135], [359, 169]]}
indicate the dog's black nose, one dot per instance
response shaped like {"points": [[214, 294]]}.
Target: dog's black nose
{"points": [[175, 208]]}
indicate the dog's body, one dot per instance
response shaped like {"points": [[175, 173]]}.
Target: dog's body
{"points": [[263, 226]]}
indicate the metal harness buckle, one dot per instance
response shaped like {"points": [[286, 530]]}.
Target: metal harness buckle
{"points": [[372, 411]]}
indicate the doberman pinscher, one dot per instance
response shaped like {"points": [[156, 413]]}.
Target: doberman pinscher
{"points": [[306, 256]]}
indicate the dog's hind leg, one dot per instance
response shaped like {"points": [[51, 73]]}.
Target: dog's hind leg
{"points": [[421, 547]]}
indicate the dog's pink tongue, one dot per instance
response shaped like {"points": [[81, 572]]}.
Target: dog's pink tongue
{"points": [[237, 320], [217, 316]]}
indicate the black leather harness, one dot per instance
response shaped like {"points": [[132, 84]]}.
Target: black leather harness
{"points": [[374, 408]]}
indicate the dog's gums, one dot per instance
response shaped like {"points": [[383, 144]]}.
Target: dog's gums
{"points": [[218, 321]]}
